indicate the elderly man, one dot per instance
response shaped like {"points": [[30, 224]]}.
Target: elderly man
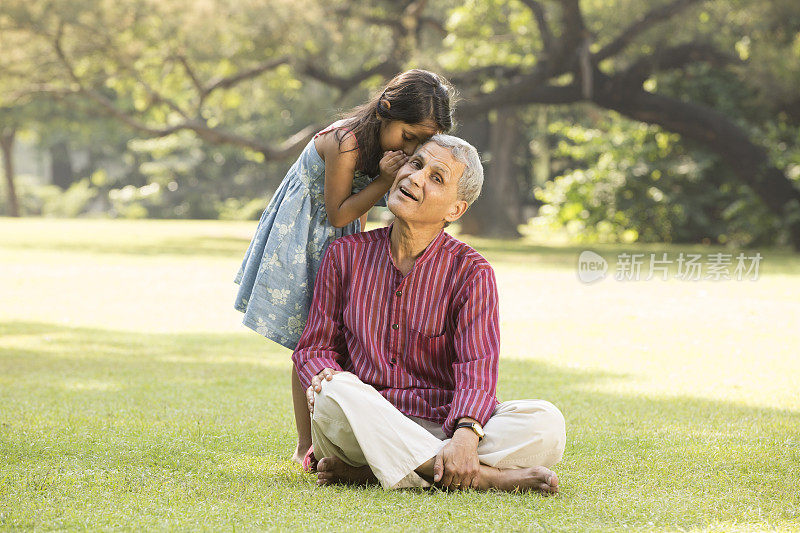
{"points": [[400, 351]]}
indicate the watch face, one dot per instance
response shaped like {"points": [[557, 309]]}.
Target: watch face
{"points": [[478, 430]]}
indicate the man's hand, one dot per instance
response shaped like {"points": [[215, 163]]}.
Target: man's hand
{"points": [[316, 385], [457, 464]]}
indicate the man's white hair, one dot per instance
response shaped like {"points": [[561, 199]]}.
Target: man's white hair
{"points": [[471, 181]]}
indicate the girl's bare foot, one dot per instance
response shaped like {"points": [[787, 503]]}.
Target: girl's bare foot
{"points": [[300, 452], [334, 470]]}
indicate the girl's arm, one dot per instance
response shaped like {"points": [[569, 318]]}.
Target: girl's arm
{"points": [[341, 206]]}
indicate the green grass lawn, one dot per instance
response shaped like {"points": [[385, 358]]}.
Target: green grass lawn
{"points": [[131, 397]]}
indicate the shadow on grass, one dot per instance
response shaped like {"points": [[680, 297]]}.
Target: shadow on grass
{"points": [[526, 253], [520, 252], [199, 246], [214, 411]]}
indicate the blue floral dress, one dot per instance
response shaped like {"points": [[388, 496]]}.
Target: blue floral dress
{"points": [[276, 279]]}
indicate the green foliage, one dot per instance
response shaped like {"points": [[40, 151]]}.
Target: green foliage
{"points": [[49, 200], [490, 33], [197, 181], [70, 203], [236, 209], [135, 202], [628, 181], [30, 195]]}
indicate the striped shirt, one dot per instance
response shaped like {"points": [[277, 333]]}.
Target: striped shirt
{"points": [[429, 341]]}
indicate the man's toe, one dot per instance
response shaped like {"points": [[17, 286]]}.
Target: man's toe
{"points": [[546, 489]]}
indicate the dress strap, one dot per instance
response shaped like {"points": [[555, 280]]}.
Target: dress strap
{"points": [[332, 127]]}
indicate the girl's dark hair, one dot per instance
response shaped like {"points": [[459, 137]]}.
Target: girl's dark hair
{"points": [[414, 96]]}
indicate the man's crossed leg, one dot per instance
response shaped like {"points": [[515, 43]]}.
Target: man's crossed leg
{"points": [[360, 437]]}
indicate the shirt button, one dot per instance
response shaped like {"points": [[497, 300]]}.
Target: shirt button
{"points": [[393, 360], [395, 326], [399, 293]]}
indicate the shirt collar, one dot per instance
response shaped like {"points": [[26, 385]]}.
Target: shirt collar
{"points": [[429, 252]]}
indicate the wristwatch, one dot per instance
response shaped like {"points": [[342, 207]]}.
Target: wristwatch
{"points": [[474, 426]]}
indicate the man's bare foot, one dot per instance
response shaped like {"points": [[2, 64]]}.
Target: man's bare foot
{"points": [[537, 478], [334, 470]]}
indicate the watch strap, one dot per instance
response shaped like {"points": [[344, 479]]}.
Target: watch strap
{"points": [[469, 425]]}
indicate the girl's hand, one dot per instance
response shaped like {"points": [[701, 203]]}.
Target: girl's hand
{"points": [[391, 163]]}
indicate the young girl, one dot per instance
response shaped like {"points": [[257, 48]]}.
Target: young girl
{"points": [[325, 195]]}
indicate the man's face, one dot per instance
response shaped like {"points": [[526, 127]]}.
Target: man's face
{"points": [[425, 189]]}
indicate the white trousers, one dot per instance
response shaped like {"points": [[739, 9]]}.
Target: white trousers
{"points": [[353, 422]]}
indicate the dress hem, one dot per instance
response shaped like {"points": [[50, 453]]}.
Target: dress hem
{"points": [[269, 334]]}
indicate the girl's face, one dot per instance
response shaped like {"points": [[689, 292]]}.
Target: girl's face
{"points": [[398, 135]]}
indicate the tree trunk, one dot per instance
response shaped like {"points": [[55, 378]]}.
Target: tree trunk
{"points": [[474, 130], [61, 165], [498, 210], [7, 146], [541, 150]]}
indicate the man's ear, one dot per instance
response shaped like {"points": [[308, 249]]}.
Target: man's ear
{"points": [[458, 208]]}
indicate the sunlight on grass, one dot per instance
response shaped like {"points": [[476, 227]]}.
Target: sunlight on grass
{"points": [[131, 397]]}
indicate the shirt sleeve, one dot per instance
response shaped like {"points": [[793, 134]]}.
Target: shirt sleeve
{"points": [[477, 346], [322, 344]]}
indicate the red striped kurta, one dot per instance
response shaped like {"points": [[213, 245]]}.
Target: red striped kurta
{"points": [[428, 342]]}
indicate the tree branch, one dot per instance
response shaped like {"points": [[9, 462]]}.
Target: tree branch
{"points": [[476, 75], [433, 23], [213, 135], [349, 12], [20, 97], [646, 21], [386, 69], [544, 27], [574, 35], [573, 26], [156, 98], [560, 54], [229, 81], [521, 93], [135, 119], [198, 85], [716, 131], [674, 57]]}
